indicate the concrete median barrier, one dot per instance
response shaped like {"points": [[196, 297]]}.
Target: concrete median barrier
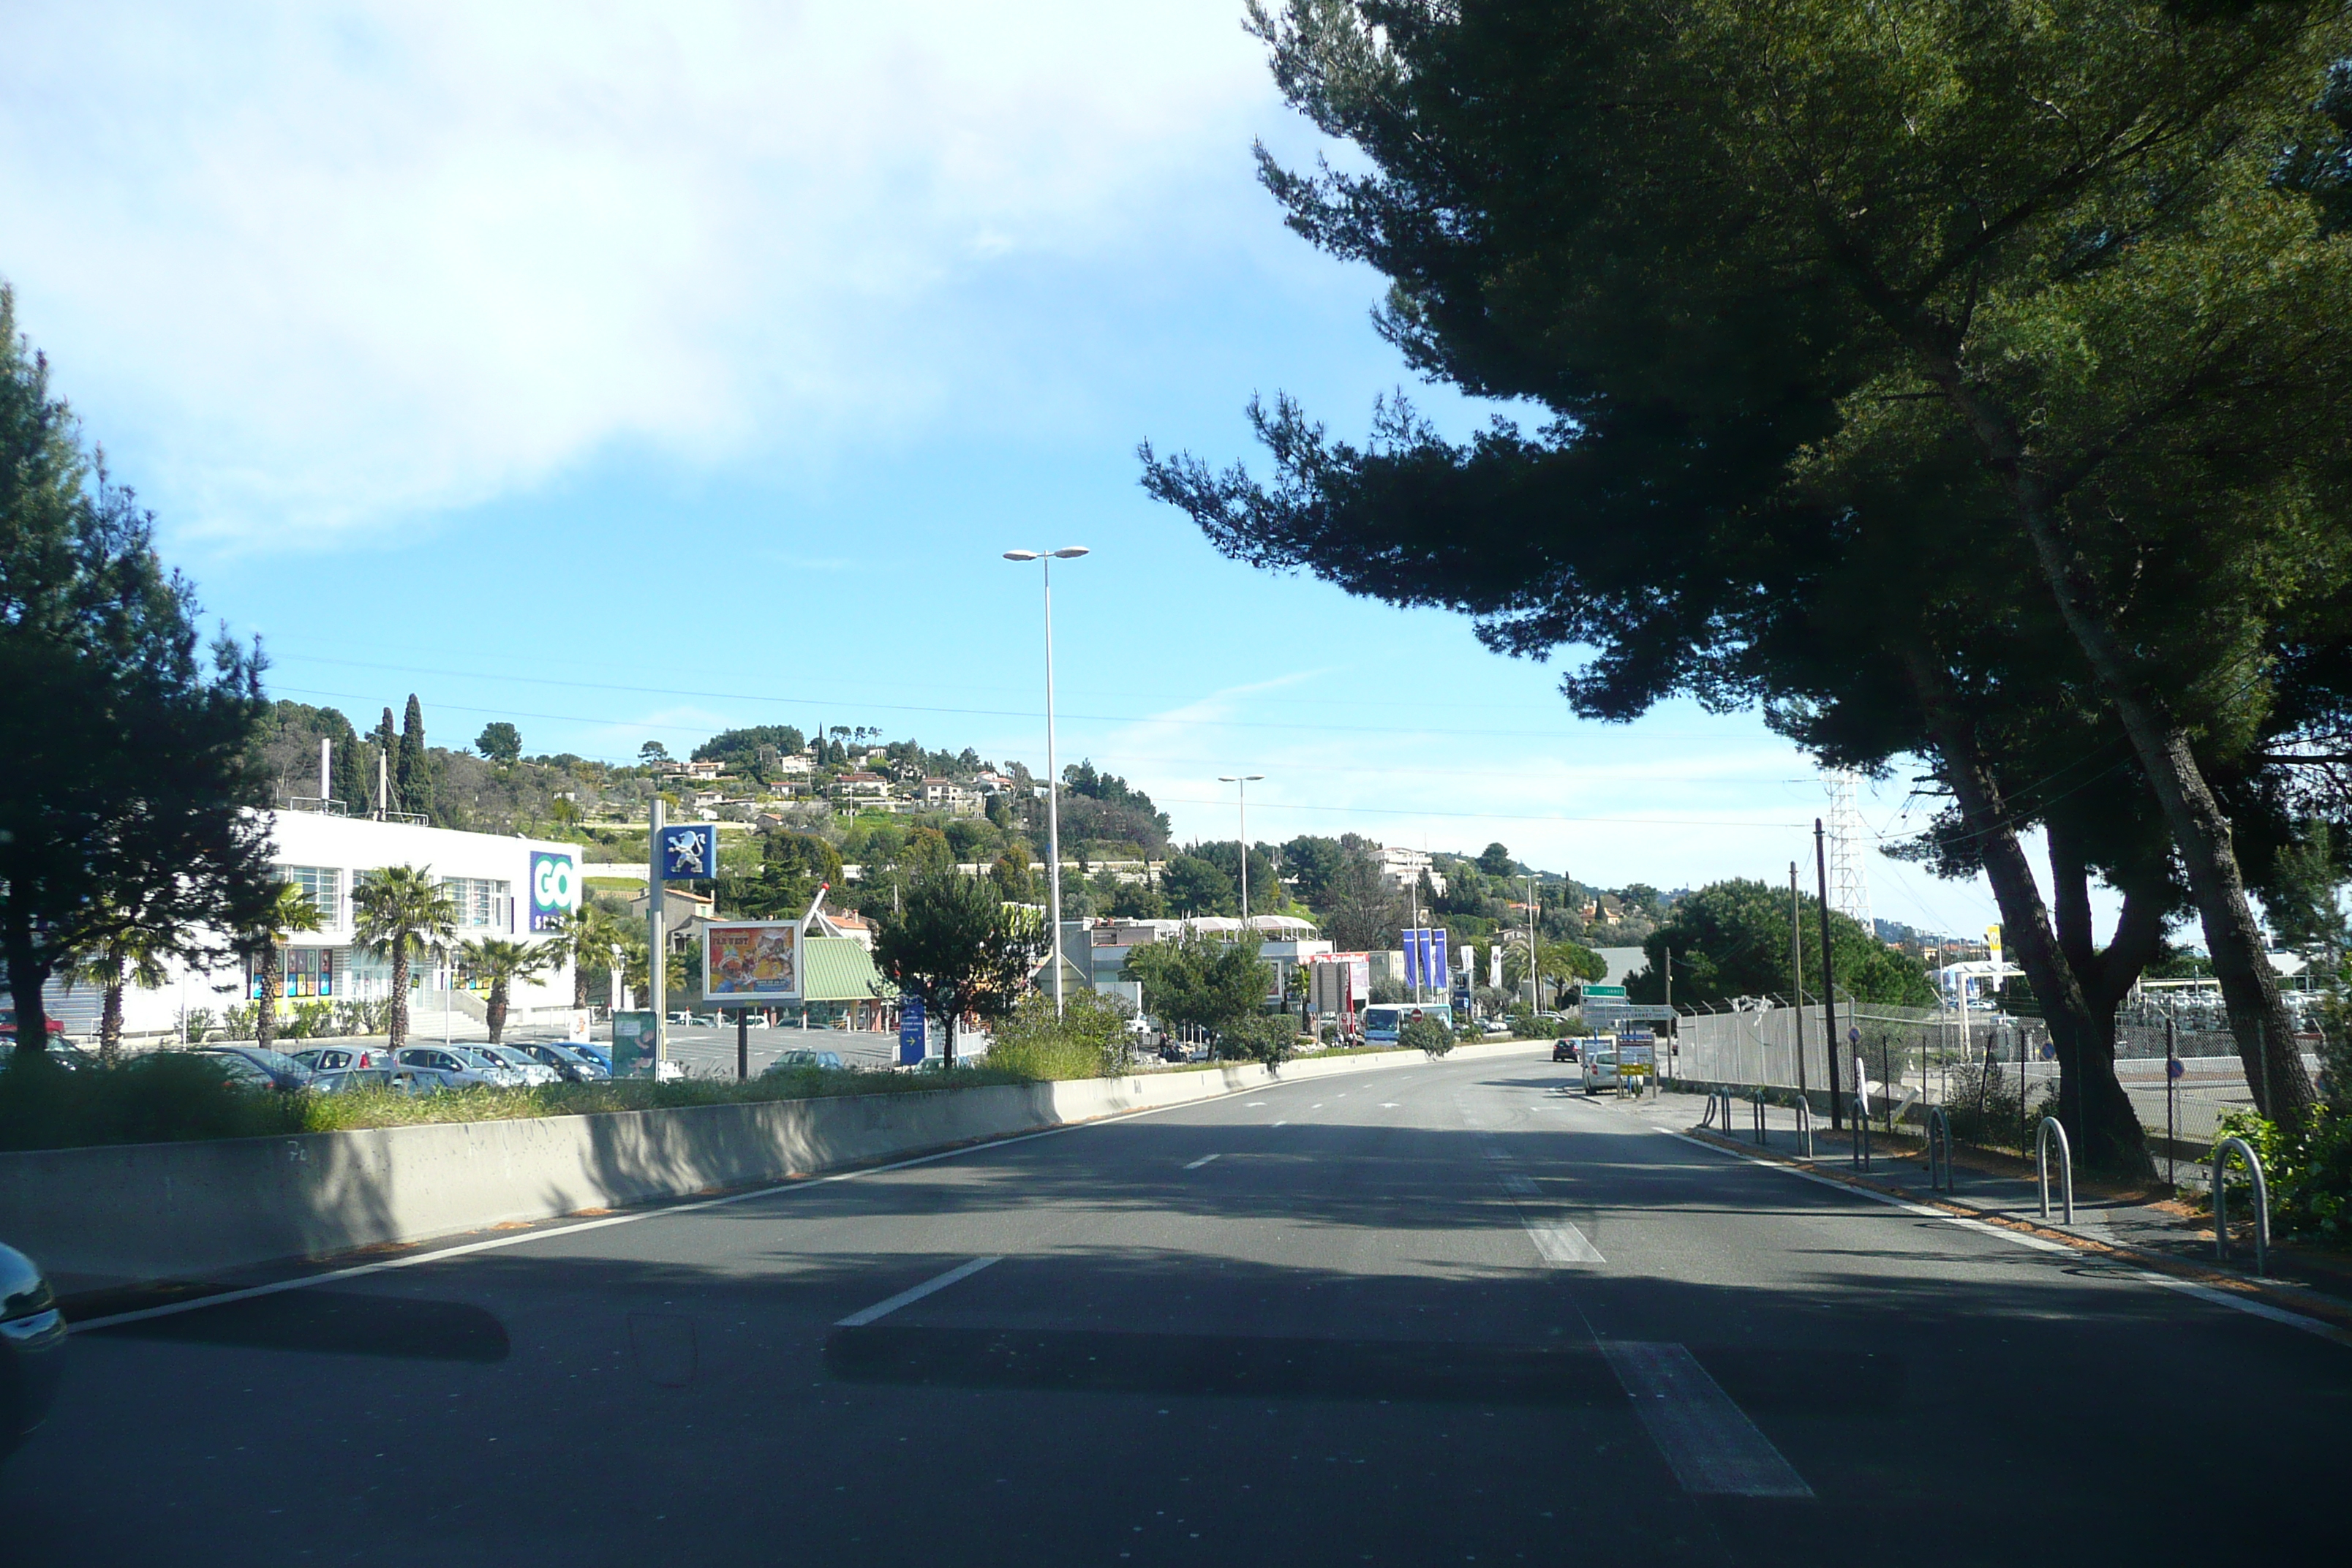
{"points": [[196, 1210]]}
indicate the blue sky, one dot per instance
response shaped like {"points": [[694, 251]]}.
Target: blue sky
{"points": [[632, 372]]}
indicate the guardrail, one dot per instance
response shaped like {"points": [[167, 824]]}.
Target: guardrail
{"points": [[2221, 1204], [2042, 1165], [1939, 1136]]}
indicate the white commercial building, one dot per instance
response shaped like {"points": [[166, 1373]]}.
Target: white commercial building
{"points": [[518, 889]]}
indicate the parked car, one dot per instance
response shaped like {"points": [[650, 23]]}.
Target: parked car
{"points": [[8, 1025], [1563, 1050], [796, 1059], [590, 1050], [448, 1068], [282, 1071], [528, 1071], [1599, 1070], [61, 1053], [32, 1348], [337, 1059], [565, 1061], [343, 1080]]}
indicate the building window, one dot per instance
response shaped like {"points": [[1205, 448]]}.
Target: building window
{"points": [[323, 886], [481, 901]]}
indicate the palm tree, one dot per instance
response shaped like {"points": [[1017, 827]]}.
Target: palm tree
{"points": [[587, 937], [502, 962], [129, 957], [288, 911], [397, 912]]}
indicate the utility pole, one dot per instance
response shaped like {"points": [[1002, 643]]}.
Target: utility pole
{"points": [[657, 953], [1535, 980], [1045, 558], [1244, 780], [1797, 976], [1829, 978]]}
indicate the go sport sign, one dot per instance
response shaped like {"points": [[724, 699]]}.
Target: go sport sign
{"points": [[554, 890]]}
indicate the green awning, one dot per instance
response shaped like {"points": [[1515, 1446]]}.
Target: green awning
{"points": [[836, 969]]}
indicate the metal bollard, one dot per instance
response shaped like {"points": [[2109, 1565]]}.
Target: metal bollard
{"points": [[2221, 1204], [1756, 1107], [1805, 1126], [2042, 1165], [1939, 1133]]}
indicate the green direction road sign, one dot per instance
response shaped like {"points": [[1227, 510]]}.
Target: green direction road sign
{"points": [[1605, 991]]}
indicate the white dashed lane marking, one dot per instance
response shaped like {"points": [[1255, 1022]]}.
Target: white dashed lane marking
{"points": [[1201, 1162]]}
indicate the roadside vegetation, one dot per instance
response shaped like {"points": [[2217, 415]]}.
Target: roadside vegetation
{"points": [[169, 1096]]}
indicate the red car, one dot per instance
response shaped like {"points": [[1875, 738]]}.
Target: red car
{"points": [[8, 1025]]}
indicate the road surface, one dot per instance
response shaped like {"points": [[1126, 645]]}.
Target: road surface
{"points": [[1429, 1315]]}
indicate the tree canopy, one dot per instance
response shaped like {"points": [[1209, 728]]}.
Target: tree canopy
{"points": [[1901, 366], [957, 945], [124, 820], [1731, 939]]}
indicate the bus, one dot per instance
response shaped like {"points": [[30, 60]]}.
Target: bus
{"points": [[1382, 1022]]}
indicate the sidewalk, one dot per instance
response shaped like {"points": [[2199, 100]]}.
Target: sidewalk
{"points": [[2145, 1226]]}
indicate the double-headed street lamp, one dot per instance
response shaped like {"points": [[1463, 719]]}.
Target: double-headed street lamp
{"points": [[1046, 558], [1244, 780]]}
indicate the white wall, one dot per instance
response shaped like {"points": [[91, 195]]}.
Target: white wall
{"points": [[351, 847]]}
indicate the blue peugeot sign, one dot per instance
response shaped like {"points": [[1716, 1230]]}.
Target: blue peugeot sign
{"points": [[689, 851]]}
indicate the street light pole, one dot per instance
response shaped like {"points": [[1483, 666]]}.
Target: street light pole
{"points": [[1046, 558], [1244, 780]]}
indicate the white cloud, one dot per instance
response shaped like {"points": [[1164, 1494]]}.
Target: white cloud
{"points": [[323, 265]]}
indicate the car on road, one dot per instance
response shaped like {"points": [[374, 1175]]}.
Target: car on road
{"points": [[244, 1062], [449, 1068], [1600, 1068], [566, 1062], [1563, 1050], [32, 1348], [796, 1060], [528, 1071]]}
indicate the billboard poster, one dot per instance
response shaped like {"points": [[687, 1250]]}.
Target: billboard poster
{"points": [[689, 851], [748, 963], [632, 1045], [554, 890]]}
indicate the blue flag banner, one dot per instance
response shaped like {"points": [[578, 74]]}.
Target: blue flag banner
{"points": [[1441, 974]]}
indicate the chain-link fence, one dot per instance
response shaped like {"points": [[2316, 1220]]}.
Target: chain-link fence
{"points": [[1994, 1072]]}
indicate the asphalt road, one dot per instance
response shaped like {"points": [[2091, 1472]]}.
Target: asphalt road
{"points": [[1436, 1314]]}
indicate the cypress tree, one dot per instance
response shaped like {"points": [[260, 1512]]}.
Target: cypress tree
{"points": [[412, 768]]}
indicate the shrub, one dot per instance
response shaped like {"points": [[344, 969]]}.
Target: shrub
{"points": [[195, 1025], [1089, 1040], [155, 1097], [1268, 1038], [2310, 1180], [1426, 1035]]}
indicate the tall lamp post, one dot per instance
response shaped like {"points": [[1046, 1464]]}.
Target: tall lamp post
{"points": [[1244, 780], [1045, 559]]}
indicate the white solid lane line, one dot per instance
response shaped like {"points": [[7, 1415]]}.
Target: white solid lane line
{"points": [[1201, 1162], [1282, 1124], [1709, 1441], [881, 1310], [1561, 1242]]}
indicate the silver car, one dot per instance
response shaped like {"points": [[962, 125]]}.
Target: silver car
{"points": [[452, 1068], [528, 1071]]}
